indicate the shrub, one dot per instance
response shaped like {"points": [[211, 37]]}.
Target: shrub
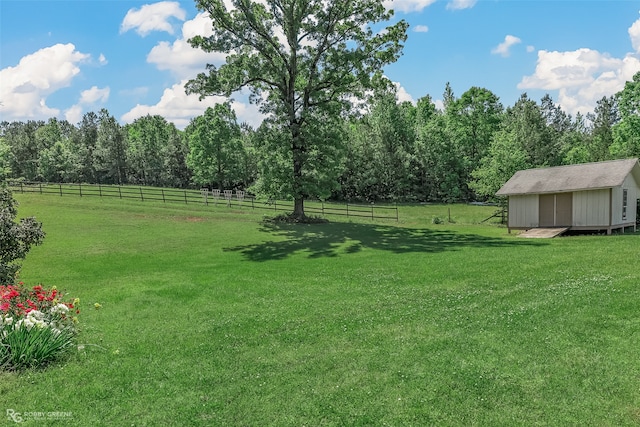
{"points": [[16, 239], [36, 326]]}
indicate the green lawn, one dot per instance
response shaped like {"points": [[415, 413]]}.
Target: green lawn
{"points": [[212, 318]]}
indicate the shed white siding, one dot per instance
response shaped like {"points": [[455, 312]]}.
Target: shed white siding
{"points": [[617, 205], [632, 195], [523, 211], [591, 208]]}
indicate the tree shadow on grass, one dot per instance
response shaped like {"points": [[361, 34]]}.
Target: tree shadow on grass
{"points": [[333, 239]]}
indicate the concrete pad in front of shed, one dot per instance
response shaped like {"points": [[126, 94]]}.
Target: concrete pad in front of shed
{"points": [[543, 233]]}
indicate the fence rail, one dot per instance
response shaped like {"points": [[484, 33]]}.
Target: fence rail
{"points": [[228, 198]]}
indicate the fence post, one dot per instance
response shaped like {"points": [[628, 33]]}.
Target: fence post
{"points": [[120, 191], [323, 208], [40, 185], [60, 188], [163, 199], [80, 187], [372, 210], [141, 195], [100, 189], [252, 200], [347, 210], [397, 218]]}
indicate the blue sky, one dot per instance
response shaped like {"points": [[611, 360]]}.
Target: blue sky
{"points": [[65, 58]]}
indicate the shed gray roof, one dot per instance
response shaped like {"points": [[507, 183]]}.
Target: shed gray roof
{"points": [[587, 176]]}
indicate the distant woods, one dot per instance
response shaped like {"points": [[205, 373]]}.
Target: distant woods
{"points": [[389, 151]]}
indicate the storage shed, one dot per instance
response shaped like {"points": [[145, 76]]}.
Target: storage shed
{"points": [[589, 196]]}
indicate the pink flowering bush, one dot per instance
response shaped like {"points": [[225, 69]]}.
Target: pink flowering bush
{"points": [[37, 325]]}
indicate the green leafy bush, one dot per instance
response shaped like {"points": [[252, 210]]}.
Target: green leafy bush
{"points": [[16, 239]]}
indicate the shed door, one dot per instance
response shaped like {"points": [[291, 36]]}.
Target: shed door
{"points": [[564, 209], [547, 210], [556, 210]]}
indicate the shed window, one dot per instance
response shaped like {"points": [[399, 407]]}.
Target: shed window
{"points": [[624, 203]]}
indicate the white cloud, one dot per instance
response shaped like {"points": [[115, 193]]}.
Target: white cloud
{"points": [[201, 25], [25, 87], [102, 59], [87, 97], [503, 48], [407, 6], [402, 95], [461, 4], [531, 49], [582, 77], [179, 57], [557, 70], [93, 95], [152, 17], [178, 107], [73, 114], [420, 29], [634, 34]]}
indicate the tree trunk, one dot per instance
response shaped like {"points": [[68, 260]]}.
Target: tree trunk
{"points": [[297, 148], [298, 196], [298, 208]]}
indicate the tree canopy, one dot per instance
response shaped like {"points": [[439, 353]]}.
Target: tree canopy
{"points": [[214, 140], [390, 151]]}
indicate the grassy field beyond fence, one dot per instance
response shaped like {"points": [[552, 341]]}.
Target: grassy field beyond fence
{"points": [[212, 317], [228, 198]]}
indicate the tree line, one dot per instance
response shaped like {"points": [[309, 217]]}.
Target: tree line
{"points": [[386, 151]]}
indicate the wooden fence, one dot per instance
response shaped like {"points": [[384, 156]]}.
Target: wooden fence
{"points": [[228, 198]]}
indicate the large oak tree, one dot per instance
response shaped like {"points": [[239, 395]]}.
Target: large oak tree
{"points": [[303, 60]]}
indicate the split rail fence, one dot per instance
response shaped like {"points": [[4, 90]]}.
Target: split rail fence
{"points": [[228, 198]]}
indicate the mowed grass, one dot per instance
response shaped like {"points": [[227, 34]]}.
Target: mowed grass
{"points": [[213, 318]]}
